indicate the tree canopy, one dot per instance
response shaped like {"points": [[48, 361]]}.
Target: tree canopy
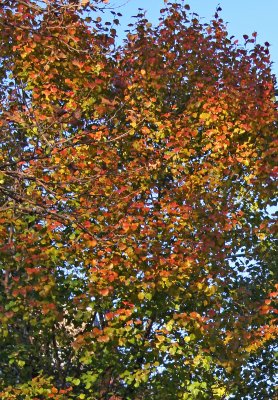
{"points": [[137, 187]]}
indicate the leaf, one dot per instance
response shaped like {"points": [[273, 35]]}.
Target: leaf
{"points": [[103, 339], [141, 296]]}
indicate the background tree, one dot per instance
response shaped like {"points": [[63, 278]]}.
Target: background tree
{"points": [[137, 242]]}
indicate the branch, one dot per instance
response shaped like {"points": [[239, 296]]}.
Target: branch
{"points": [[56, 352]]}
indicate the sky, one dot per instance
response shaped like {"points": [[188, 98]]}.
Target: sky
{"points": [[242, 16]]}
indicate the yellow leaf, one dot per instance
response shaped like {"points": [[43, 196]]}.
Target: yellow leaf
{"points": [[205, 116], [141, 296]]}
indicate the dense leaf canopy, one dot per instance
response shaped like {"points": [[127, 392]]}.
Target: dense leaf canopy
{"points": [[137, 187]]}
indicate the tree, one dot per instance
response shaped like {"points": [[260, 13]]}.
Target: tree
{"points": [[137, 183]]}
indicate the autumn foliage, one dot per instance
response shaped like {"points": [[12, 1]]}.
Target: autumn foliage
{"points": [[136, 213]]}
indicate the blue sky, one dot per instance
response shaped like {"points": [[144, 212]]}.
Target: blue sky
{"points": [[242, 16]]}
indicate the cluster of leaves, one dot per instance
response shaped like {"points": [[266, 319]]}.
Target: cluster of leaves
{"points": [[137, 243]]}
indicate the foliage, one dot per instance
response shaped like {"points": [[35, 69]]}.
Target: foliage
{"points": [[137, 242]]}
